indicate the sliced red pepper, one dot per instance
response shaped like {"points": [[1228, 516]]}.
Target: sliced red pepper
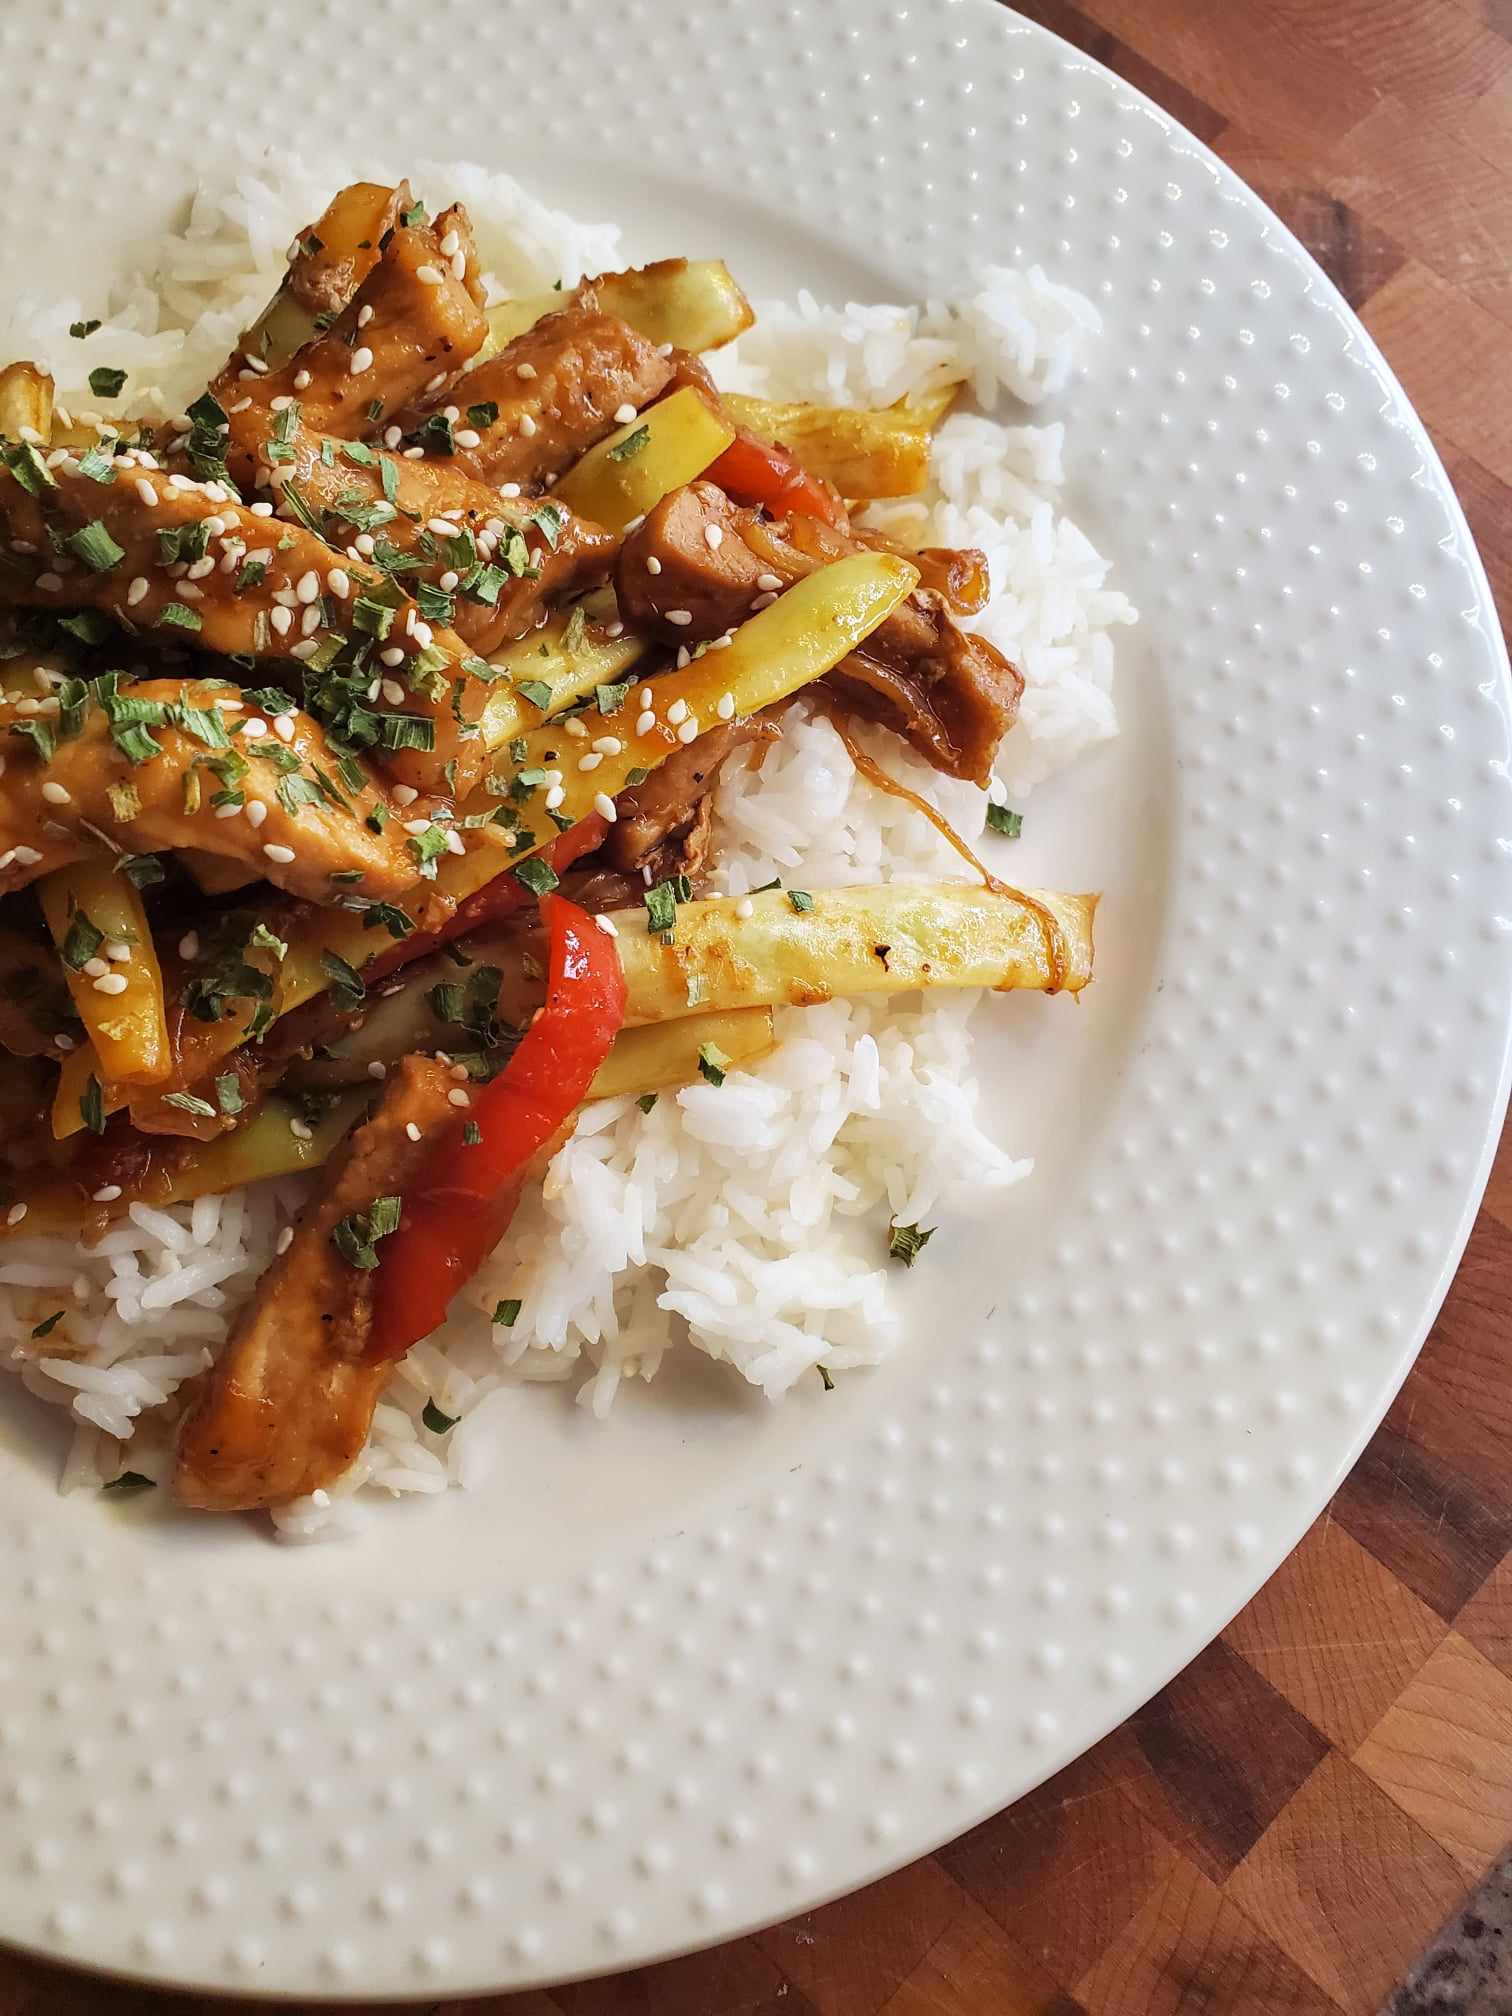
{"points": [[757, 472], [460, 1208], [495, 900]]}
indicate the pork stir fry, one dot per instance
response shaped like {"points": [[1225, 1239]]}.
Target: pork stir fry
{"points": [[360, 726]]}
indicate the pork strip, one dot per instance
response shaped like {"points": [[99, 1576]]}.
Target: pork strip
{"points": [[287, 1406]]}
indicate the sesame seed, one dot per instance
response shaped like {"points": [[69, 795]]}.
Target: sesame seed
{"points": [[526, 371], [723, 643], [15, 1214], [555, 797], [449, 244], [434, 384], [624, 414], [301, 1130], [392, 436], [107, 1193], [306, 648], [575, 729], [392, 656], [311, 620], [284, 1240], [422, 633], [467, 437], [428, 275], [684, 658], [254, 727], [589, 762], [261, 510], [726, 707], [608, 745], [412, 1130], [764, 601], [647, 697], [645, 722], [364, 315], [307, 587], [392, 691], [110, 983], [448, 580], [281, 403], [615, 629], [455, 844], [459, 266], [94, 968], [189, 945], [283, 727], [714, 537], [405, 794], [282, 855], [232, 811], [362, 360], [607, 925], [653, 565], [769, 584], [117, 950], [681, 617], [688, 732], [745, 907], [417, 825], [27, 856], [282, 619], [603, 804], [339, 582], [65, 1043], [255, 364], [257, 812], [49, 583], [301, 381], [507, 490], [527, 425], [377, 1069], [457, 1097], [56, 794], [442, 527], [678, 711], [187, 592]]}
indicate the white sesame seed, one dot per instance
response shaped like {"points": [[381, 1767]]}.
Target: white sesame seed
{"points": [[362, 360], [417, 825], [281, 403], [459, 266], [589, 762], [422, 633], [137, 590], [412, 1130], [624, 414], [364, 315], [457, 1097], [282, 855], [678, 711], [764, 601], [555, 797], [769, 584], [107, 1193], [434, 384], [714, 537], [467, 437], [603, 804], [283, 727], [339, 582], [653, 565], [681, 617], [392, 691], [254, 727], [56, 794], [232, 811], [310, 621], [448, 580], [391, 656], [189, 945], [553, 776], [507, 490], [186, 591], [526, 371], [284, 1240], [65, 1043], [726, 707], [428, 275], [282, 619], [377, 1069], [455, 844], [608, 745], [306, 648], [607, 925], [117, 950], [110, 983], [16, 1213], [255, 364], [688, 732], [94, 967], [257, 812], [745, 907], [301, 381], [647, 697], [684, 657], [49, 583], [723, 643], [261, 510], [449, 244], [645, 722], [404, 794], [307, 587], [301, 1130], [527, 424], [442, 527]]}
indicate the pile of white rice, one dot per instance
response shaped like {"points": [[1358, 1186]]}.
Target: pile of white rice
{"points": [[748, 1220]]}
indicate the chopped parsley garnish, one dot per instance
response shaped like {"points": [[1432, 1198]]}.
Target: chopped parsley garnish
{"points": [[611, 698], [506, 1312], [549, 520], [907, 1242], [130, 1480], [41, 734], [190, 1102], [472, 1134], [398, 923], [347, 988], [92, 1105], [631, 445], [800, 899], [94, 546], [646, 1101], [81, 942], [536, 691], [142, 871], [49, 1323], [483, 414], [824, 1374], [228, 1093], [437, 1422], [84, 328], [435, 436], [105, 382], [407, 731], [97, 467], [1001, 820], [28, 468], [536, 875], [279, 446], [356, 1236], [661, 901], [413, 216], [178, 616], [712, 1063]]}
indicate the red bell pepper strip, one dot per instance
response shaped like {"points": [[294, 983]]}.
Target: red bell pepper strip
{"points": [[757, 472], [461, 1205], [496, 899]]}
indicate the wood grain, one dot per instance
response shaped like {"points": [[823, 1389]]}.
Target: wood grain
{"points": [[1282, 1829]]}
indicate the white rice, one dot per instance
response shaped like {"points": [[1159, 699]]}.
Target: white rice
{"points": [[747, 1221]]}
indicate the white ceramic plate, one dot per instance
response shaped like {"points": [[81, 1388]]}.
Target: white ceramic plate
{"points": [[711, 1663]]}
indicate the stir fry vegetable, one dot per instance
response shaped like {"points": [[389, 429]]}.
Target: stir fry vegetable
{"points": [[636, 466], [99, 925], [862, 453], [693, 304]]}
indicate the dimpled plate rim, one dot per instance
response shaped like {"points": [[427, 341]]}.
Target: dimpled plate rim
{"points": [[226, 1767]]}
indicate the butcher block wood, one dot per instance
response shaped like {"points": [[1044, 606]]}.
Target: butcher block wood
{"points": [[1283, 1828]]}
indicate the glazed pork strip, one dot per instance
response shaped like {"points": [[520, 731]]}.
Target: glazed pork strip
{"points": [[287, 1406], [546, 398], [668, 805], [952, 696], [413, 319], [334, 255], [514, 557], [254, 588], [141, 769]]}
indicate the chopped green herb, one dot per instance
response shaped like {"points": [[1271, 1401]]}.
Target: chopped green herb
{"points": [[130, 1480], [28, 468], [1001, 820], [472, 1134], [536, 875], [611, 698], [190, 1102], [712, 1063], [94, 546], [267, 941], [661, 901], [228, 1093], [536, 691], [105, 382], [483, 414], [646, 1101], [49, 1323], [800, 899], [435, 437], [178, 616], [395, 921], [347, 988], [81, 942], [142, 871], [40, 733], [407, 731], [824, 1374], [506, 1312], [92, 1105], [437, 1422], [97, 467], [907, 1242], [84, 328], [356, 1236], [631, 445], [413, 216]]}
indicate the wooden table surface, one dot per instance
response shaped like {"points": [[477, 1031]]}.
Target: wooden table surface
{"points": [[1283, 1828]]}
